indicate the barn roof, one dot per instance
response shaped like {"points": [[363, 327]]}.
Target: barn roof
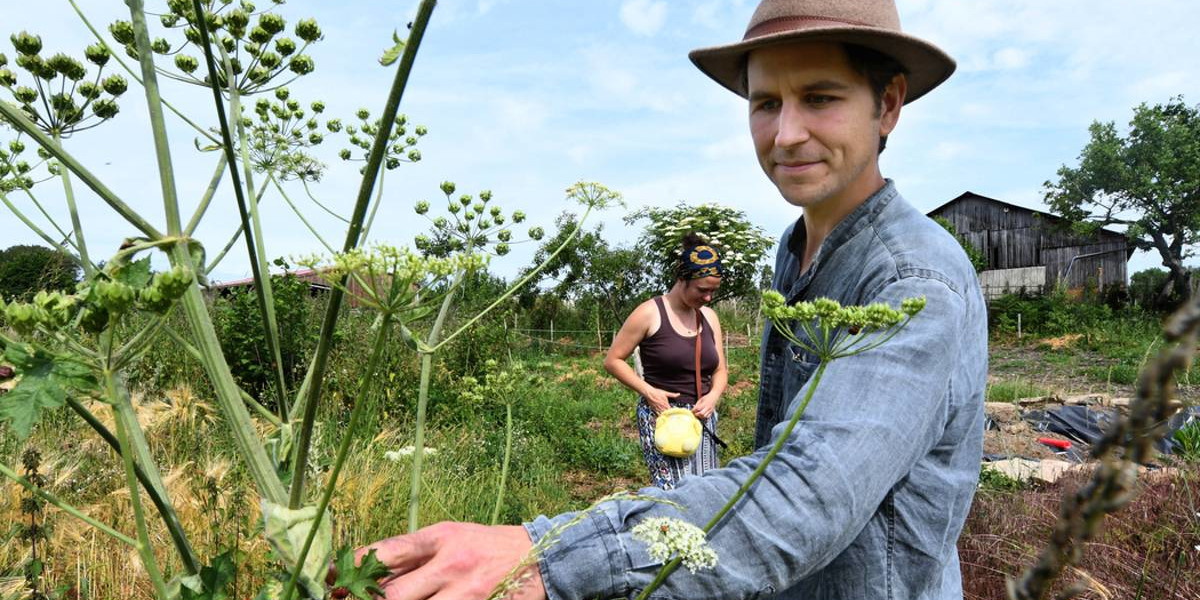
{"points": [[1044, 215]]}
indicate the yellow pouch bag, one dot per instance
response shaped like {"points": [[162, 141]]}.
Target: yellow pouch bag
{"points": [[677, 432]]}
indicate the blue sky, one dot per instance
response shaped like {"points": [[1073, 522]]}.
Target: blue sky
{"points": [[525, 97]]}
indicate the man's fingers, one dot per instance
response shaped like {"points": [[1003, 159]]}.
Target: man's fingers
{"points": [[401, 553]]}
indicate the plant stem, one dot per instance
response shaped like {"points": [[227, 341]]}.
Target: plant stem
{"points": [[208, 196], [364, 390], [237, 233], [71, 510], [89, 269], [145, 549], [178, 537], [295, 209], [192, 350], [375, 207], [674, 563], [508, 432], [306, 404], [37, 230], [249, 445], [251, 223], [17, 119]]}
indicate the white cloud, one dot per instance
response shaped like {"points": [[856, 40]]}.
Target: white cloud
{"points": [[644, 17], [947, 151], [1011, 58]]}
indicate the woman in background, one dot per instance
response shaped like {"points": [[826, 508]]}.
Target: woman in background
{"points": [[666, 329]]}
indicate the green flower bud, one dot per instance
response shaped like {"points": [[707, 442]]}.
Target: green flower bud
{"points": [[466, 200], [114, 296], [344, 154], [21, 317], [411, 141], [66, 66], [285, 46], [421, 130], [478, 207], [7, 78], [192, 35], [115, 85], [315, 138], [259, 35], [536, 233], [912, 306], [421, 242], [235, 64], [22, 167], [308, 30], [318, 107], [414, 155], [248, 6], [485, 223], [27, 43], [302, 65], [185, 63], [105, 108], [401, 119], [350, 129], [454, 208], [499, 219], [422, 207], [392, 163], [363, 114], [97, 54], [272, 23], [518, 216], [259, 75], [17, 146], [43, 153], [160, 46], [495, 210], [447, 187], [504, 235], [501, 249], [89, 90], [169, 20], [269, 60], [334, 125], [93, 319], [252, 49], [236, 21], [3, 62], [440, 222]]}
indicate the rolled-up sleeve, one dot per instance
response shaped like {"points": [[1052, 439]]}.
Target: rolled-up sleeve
{"points": [[872, 417]]}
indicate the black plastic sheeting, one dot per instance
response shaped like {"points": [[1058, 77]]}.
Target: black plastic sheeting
{"points": [[1085, 425]]}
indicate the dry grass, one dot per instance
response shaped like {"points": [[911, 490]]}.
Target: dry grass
{"points": [[1147, 550]]}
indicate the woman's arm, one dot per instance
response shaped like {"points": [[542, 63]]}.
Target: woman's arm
{"points": [[707, 403], [637, 326]]}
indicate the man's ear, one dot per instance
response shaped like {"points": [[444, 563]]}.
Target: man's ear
{"points": [[890, 103]]}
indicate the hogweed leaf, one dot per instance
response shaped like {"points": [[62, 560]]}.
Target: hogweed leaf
{"points": [[392, 54], [361, 581], [286, 530], [46, 379]]}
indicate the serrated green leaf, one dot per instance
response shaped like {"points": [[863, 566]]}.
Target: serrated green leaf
{"points": [[196, 249], [45, 381], [362, 580], [213, 578], [135, 274], [391, 54]]}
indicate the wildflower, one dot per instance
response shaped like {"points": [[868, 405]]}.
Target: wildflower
{"points": [[405, 452], [667, 538]]}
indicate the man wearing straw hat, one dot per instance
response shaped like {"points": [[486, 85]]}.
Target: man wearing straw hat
{"points": [[868, 496]]}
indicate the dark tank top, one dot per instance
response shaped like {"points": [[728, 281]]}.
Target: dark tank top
{"points": [[669, 359]]}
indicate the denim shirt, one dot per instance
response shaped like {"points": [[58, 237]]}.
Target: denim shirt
{"points": [[869, 494]]}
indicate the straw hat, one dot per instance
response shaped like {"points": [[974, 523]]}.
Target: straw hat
{"points": [[871, 23]]}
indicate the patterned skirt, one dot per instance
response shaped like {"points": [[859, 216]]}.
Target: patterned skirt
{"points": [[666, 471]]}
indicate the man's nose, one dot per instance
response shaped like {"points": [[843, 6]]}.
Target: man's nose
{"points": [[793, 125]]}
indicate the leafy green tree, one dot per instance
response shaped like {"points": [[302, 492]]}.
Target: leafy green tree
{"points": [[744, 245], [591, 272], [1148, 180], [27, 269]]}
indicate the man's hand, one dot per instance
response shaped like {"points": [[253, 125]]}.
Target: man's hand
{"points": [[451, 561], [705, 407], [659, 400]]}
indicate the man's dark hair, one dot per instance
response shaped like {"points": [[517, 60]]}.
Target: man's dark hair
{"points": [[877, 67]]}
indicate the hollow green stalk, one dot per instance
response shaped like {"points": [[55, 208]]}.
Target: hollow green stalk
{"points": [[195, 353], [251, 223], [209, 193], [37, 230], [67, 508], [145, 549], [49, 219], [674, 563], [306, 403], [320, 204], [89, 269], [508, 434], [237, 234], [375, 208], [156, 494], [365, 385], [249, 445], [16, 117]]}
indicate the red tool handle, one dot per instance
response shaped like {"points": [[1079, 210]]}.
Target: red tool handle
{"points": [[1060, 444]]}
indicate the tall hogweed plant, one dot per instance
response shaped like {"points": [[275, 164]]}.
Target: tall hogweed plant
{"points": [[70, 348]]}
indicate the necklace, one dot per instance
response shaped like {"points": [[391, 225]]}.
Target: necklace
{"points": [[685, 329]]}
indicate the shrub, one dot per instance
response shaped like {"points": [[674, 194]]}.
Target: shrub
{"points": [[27, 269]]}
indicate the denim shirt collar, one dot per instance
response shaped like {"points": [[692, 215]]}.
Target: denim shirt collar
{"points": [[860, 217]]}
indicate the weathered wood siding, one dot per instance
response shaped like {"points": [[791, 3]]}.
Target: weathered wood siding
{"points": [[1012, 237]]}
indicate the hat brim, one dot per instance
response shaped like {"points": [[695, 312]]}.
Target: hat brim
{"points": [[927, 65]]}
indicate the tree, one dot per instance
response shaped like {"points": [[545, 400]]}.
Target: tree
{"points": [[975, 255], [27, 269], [743, 245], [1148, 181]]}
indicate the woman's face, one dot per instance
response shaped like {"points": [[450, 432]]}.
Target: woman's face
{"points": [[698, 292]]}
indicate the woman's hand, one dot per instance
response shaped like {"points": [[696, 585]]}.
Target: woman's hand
{"points": [[659, 400], [706, 406]]}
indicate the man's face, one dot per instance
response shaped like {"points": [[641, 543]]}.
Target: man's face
{"points": [[815, 124]]}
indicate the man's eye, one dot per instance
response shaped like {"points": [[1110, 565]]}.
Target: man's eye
{"points": [[767, 105], [820, 99]]}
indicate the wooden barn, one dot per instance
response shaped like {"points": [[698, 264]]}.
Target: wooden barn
{"points": [[1029, 250]]}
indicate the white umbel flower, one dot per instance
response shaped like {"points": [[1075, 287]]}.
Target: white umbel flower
{"points": [[667, 538]]}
